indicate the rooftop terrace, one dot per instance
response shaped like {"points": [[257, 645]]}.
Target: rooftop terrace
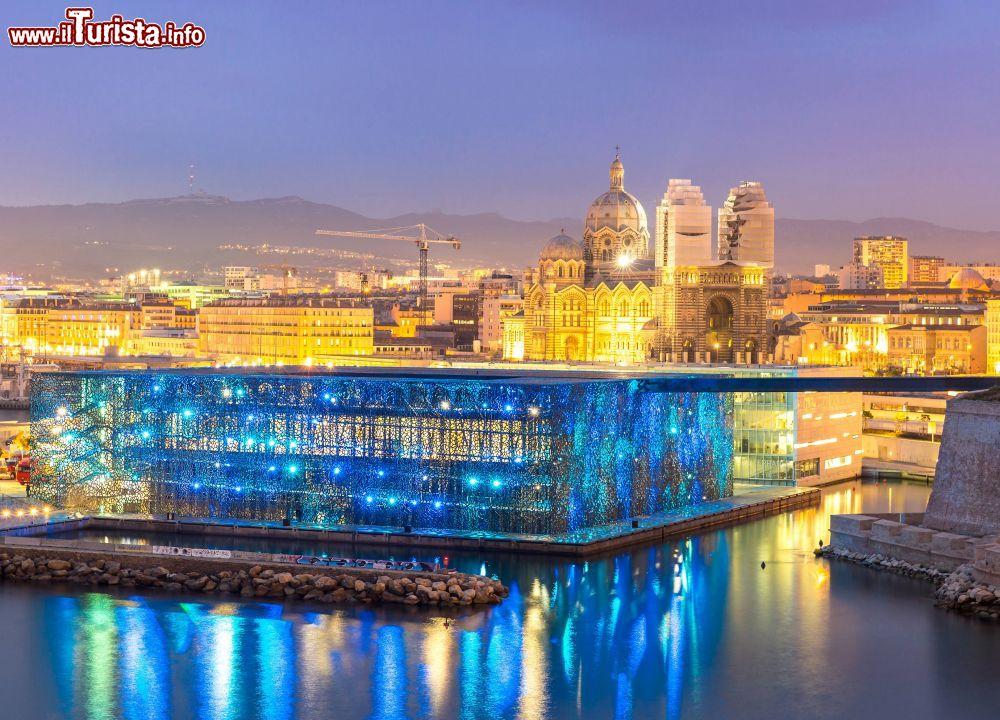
{"points": [[684, 379]]}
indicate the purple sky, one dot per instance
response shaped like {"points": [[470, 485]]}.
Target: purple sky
{"points": [[849, 109]]}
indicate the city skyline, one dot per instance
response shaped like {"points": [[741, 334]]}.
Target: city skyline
{"points": [[336, 113], [426, 358]]}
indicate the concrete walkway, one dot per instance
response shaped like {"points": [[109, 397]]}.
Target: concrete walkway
{"points": [[746, 505]]}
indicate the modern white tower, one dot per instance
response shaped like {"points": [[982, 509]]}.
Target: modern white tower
{"points": [[683, 226], [746, 226]]}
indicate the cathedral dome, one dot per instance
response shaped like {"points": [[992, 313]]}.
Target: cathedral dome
{"points": [[616, 209], [615, 227], [967, 279], [562, 247]]}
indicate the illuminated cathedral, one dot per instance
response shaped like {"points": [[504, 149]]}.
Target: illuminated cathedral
{"points": [[610, 299]]}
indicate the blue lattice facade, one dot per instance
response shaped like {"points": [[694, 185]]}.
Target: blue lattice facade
{"points": [[465, 453]]}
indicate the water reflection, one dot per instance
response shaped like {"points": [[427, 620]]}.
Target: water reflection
{"points": [[685, 629], [640, 621], [143, 653]]}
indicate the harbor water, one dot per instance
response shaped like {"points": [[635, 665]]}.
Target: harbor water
{"points": [[695, 628]]}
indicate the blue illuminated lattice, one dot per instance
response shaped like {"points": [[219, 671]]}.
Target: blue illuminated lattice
{"points": [[538, 456]]}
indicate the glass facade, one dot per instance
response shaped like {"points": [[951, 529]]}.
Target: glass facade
{"points": [[764, 438], [538, 454], [797, 438]]}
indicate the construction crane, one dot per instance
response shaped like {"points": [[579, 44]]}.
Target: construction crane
{"points": [[424, 237]]}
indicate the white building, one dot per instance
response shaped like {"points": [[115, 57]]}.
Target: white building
{"points": [[902, 433], [828, 445], [241, 277], [683, 226], [857, 276], [369, 280], [140, 280], [347, 280], [286, 281], [746, 226], [797, 438], [495, 309], [175, 342]]}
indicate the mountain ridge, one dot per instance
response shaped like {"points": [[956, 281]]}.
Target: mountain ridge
{"points": [[185, 232]]}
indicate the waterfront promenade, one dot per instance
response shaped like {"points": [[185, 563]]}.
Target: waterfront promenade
{"points": [[748, 503]]}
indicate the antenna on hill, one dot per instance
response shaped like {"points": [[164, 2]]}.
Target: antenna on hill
{"points": [[191, 179]]}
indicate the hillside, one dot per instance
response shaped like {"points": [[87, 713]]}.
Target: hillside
{"points": [[187, 232]]}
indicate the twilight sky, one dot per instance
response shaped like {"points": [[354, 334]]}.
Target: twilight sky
{"points": [[847, 110]]}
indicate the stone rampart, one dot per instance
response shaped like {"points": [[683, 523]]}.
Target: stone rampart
{"points": [[908, 541], [965, 499]]}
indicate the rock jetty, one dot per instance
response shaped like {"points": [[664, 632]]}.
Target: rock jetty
{"points": [[326, 585], [879, 561], [961, 592], [957, 590]]}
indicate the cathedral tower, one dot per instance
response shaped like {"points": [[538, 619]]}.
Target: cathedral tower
{"points": [[615, 231]]}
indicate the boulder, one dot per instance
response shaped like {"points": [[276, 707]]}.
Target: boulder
{"points": [[197, 584], [325, 582]]}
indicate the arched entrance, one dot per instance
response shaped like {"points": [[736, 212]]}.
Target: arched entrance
{"points": [[719, 329], [572, 348]]}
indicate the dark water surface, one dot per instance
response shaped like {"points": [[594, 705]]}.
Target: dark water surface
{"points": [[690, 629]]}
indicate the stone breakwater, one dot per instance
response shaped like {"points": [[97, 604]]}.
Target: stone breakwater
{"points": [[957, 590], [343, 585], [883, 562], [962, 593]]}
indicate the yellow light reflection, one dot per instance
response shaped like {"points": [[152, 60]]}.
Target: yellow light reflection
{"points": [[438, 651], [534, 698]]}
